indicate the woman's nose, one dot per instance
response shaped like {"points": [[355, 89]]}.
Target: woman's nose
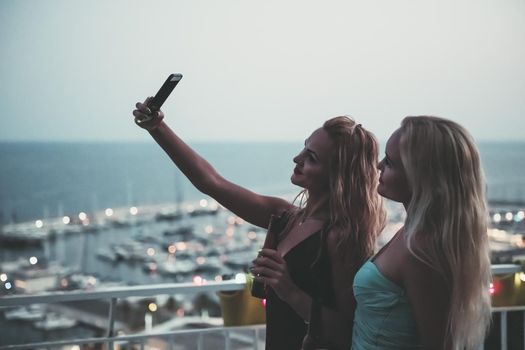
{"points": [[298, 159]]}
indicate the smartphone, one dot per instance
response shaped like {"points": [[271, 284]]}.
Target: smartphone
{"points": [[164, 91]]}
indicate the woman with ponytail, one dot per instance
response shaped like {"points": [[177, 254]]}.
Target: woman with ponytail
{"points": [[428, 287], [320, 243]]}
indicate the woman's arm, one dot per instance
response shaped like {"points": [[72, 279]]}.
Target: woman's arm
{"points": [[252, 207], [430, 300]]}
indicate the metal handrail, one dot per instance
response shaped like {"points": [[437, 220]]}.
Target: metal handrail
{"points": [[121, 292], [133, 338], [113, 293]]}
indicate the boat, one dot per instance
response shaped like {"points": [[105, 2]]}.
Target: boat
{"points": [[54, 322], [183, 231], [178, 267], [29, 313]]}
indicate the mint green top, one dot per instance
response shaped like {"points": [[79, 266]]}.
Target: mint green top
{"points": [[383, 317]]}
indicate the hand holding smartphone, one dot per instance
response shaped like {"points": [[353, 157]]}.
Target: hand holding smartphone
{"points": [[162, 95], [164, 91]]}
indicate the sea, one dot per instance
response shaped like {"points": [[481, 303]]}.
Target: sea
{"points": [[42, 180], [39, 180]]}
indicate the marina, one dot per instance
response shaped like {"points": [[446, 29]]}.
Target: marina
{"points": [[192, 240]]}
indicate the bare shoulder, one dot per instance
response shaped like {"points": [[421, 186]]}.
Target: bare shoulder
{"points": [[420, 278], [414, 263]]}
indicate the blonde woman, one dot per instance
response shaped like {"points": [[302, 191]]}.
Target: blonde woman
{"points": [[321, 244], [429, 286]]}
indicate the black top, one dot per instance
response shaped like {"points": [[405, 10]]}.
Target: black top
{"points": [[310, 270]]}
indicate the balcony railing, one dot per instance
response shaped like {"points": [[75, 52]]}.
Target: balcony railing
{"points": [[250, 336]]}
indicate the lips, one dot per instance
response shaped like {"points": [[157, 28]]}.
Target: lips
{"points": [[297, 171]]}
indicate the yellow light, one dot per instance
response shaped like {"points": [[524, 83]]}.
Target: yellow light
{"points": [[66, 220], [152, 307], [517, 280], [522, 276]]}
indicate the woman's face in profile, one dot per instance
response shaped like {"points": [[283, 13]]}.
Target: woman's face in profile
{"points": [[393, 183], [313, 163]]}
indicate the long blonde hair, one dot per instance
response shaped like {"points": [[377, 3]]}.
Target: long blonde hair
{"points": [[355, 207], [448, 213]]}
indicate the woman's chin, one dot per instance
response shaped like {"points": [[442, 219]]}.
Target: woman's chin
{"points": [[295, 181]]}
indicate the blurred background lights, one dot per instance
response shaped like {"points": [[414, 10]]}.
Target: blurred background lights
{"points": [[152, 307], [197, 280], [66, 220], [33, 260], [39, 223], [240, 278], [133, 210], [108, 212], [82, 216]]}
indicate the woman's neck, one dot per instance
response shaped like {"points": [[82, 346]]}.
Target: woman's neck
{"points": [[317, 207]]}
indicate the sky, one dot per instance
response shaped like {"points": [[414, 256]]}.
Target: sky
{"points": [[269, 70]]}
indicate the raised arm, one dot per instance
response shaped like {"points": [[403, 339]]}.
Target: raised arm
{"points": [[250, 206]]}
